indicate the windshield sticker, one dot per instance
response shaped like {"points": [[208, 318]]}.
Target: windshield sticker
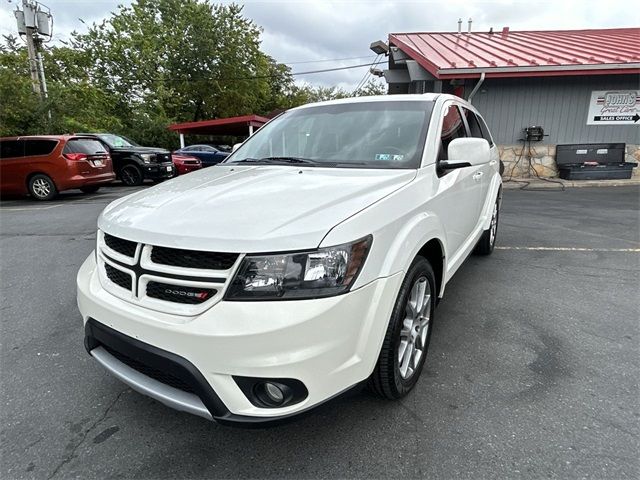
{"points": [[385, 157]]}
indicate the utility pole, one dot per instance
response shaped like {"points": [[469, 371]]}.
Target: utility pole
{"points": [[34, 23]]}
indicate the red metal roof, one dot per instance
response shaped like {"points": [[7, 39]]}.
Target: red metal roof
{"points": [[236, 126], [523, 54]]}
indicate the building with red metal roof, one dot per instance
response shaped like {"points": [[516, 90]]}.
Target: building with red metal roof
{"points": [[523, 54], [581, 86]]}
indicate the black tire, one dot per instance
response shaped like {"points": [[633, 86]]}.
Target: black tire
{"points": [[90, 189], [131, 175], [501, 167], [42, 188], [487, 241], [387, 380]]}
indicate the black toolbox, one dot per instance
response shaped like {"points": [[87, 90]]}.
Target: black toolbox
{"points": [[593, 161]]}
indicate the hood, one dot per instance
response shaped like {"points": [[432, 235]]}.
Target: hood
{"points": [[138, 149], [249, 209]]}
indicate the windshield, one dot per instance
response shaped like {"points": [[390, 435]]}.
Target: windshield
{"points": [[116, 141], [388, 134]]}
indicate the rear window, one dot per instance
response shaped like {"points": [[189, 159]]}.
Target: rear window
{"points": [[39, 147], [84, 145], [11, 148]]}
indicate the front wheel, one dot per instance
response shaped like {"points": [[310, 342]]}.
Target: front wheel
{"points": [[487, 241], [131, 175], [406, 342], [41, 187]]}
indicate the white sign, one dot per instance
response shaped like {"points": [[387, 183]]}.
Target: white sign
{"points": [[614, 107]]}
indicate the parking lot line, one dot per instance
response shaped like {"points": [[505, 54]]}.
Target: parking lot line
{"points": [[13, 209], [572, 249]]}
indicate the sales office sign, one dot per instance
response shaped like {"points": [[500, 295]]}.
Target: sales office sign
{"points": [[614, 107]]}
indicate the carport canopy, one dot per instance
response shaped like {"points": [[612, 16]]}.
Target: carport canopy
{"points": [[232, 126]]}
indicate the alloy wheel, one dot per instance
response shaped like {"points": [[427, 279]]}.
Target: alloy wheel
{"points": [[41, 188], [130, 176], [494, 225], [415, 328]]}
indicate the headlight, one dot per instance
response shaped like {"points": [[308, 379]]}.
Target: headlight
{"points": [[318, 273], [146, 157]]}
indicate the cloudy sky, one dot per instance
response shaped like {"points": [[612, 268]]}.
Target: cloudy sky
{"points": [[313, 35]]}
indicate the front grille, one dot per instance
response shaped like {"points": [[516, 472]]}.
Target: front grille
{"points": [[120, 245], [162, 158], [118, 277], [179, 293], [151, 372], [193, 259]]}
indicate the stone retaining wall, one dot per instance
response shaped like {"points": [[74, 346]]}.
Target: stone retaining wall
{"points": [[543, 160]]}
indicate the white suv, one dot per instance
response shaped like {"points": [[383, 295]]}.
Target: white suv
{"points": [[307, 263]]}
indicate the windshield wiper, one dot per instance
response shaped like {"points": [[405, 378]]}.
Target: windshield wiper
{"points": [[294, 160]]}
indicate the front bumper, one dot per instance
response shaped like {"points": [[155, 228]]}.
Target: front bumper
{"points": [[158, 171], [329, 344], [186, 168]]}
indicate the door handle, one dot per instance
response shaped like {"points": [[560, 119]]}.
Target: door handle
{"points": [[477, 176]]}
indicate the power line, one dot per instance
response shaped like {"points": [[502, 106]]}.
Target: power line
{"points": [[255, 77], [322, 61], [308, 72], [333, 69], [366, 75]]}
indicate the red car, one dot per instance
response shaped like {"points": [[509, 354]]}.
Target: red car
{"points": [[185, 163], [45, 165]]}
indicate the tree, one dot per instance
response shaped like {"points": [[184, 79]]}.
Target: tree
{"points": [[150, 64], [372, 87], [190, 59]]}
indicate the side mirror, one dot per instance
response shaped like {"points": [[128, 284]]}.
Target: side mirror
{"points": [[235, 147], [466, 152]]}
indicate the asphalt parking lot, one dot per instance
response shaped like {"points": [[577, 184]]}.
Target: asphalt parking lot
{"points": [[532, 372]]}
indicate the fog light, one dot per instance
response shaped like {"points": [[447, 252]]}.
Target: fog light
{"points": [[274, 393]]}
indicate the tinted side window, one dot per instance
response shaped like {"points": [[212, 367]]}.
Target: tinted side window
{"points": [[11, 148], [485, 131], [474, 126], [84, 145], [452, 128], [39, 147]]}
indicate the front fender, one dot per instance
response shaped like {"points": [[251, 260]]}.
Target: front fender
{"points": [[397, 238], [410, 239]]}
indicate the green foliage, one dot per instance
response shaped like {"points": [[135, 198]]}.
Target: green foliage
{"points": [[148, 65], [372, 87]]}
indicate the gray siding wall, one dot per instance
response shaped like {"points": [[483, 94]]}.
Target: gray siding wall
{"points": [[559, 104]]}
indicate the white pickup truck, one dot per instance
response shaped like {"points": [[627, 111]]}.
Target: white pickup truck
{"points": [[307, 263]]}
